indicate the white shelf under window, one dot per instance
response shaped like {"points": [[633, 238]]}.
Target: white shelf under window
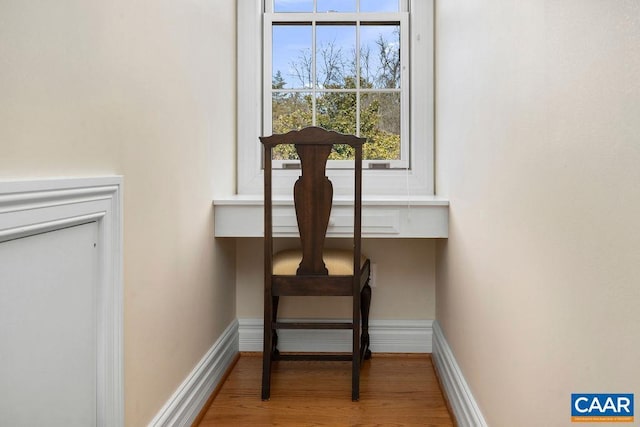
{"points": [[382, 217]]}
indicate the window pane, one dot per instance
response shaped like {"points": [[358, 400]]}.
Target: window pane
{"points": [[379, 6], [380, 124], [291, 56], [290, 110], [380, 56], [335, 56], [337, 111], [336, 5], [293, 5]]}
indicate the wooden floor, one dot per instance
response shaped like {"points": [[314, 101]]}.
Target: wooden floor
{"points": [[395, 390]]}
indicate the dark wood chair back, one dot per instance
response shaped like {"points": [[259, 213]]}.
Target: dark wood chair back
{"points": [[313, 193]]}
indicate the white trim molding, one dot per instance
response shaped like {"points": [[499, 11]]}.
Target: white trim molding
{"points": [[383, 217], [465, 409], [387, 336], [37, 206], [188, 400]]}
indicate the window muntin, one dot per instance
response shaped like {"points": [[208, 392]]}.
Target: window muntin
{"points": [[342, 71]]}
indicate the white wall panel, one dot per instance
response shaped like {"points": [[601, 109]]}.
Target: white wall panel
{"points": [[48, 287]]}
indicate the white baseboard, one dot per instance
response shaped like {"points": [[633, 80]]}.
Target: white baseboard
{"points": [[387, 336], [188, 400], [465, 409]]}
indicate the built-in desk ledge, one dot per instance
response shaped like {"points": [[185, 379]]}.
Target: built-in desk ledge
{"points": [[382, 217]]}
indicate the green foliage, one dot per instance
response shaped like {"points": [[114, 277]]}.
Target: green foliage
{"points": [[336, 111]]}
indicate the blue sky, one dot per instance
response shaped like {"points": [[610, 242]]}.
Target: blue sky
{"points": [[290, 41]]}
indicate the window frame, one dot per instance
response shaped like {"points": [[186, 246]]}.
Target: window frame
{"points": [[417, 179]]}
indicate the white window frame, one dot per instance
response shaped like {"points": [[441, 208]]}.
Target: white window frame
{"points": [[418, 179]]}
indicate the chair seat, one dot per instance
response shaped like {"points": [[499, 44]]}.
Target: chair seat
{"points": [[339, 262]]}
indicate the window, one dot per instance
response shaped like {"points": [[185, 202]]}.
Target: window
{"points": [[355, 66]]}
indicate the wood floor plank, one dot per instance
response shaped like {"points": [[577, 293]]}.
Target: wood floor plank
{"points": [[394, 391]]}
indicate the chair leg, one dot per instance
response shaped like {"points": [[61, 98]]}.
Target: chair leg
{"points": [[355, 355], [274, 348], [267, 347], [270, 346], [365, 304], [355, 384]]}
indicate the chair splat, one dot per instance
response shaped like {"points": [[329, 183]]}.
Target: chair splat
{"points": [[313, 196]]}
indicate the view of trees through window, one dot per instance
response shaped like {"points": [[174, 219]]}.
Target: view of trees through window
{"points": [[338, 86]]}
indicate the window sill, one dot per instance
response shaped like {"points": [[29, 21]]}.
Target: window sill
{"points": [[382, 217]]}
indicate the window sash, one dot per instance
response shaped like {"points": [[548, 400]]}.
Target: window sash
{"points": [[312, 19]]}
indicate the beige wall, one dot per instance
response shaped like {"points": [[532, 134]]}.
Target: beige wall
{"points": [[143, 89], [404, 290], [539, 151]]}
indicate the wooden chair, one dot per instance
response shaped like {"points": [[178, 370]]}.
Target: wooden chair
{"points": [[313, 270]]}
